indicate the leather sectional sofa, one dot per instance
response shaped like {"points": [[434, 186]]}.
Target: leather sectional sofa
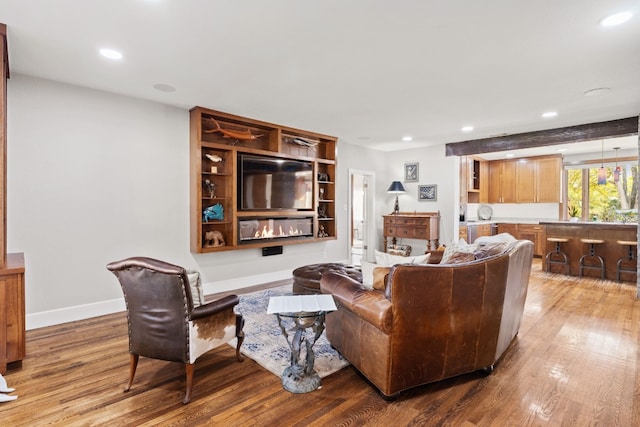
{"points": [[432, 321]]}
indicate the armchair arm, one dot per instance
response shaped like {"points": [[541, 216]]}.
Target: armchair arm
{"points": [[349, 294], [215, 307]]}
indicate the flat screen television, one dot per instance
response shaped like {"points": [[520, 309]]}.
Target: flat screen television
{"points": [[272, 183]]}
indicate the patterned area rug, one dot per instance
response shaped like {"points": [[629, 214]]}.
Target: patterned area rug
{"points": [[265, 343]]}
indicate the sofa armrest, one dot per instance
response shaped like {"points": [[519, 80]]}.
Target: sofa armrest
{"points": [[370, 305]]}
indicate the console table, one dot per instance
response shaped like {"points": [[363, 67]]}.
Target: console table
{"points": [[417, 225], [12, 311]]}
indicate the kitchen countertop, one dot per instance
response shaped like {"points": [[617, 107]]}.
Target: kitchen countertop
{"points": [[508, 221]]}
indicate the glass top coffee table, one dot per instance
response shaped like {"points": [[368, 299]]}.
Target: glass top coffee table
{"points": [[305, 312]]}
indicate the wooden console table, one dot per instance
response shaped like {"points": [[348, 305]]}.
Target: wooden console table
{"points": [[417, 225], [12, 311]]}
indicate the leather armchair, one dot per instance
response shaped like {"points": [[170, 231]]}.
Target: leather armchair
{"points": [[163, 322], [432, 321]]}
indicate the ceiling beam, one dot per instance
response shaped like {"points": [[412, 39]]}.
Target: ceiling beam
{"points": [[542, 138]]}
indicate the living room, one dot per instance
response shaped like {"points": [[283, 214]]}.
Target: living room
{"points": [[96, 174]]}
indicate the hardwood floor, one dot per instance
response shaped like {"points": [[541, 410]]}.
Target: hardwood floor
{"points": [[575, 363]]}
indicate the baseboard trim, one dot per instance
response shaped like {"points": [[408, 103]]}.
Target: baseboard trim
{"points": [[86, 311]]}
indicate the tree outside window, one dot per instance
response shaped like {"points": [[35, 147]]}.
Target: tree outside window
{"points": [[612, 201]]}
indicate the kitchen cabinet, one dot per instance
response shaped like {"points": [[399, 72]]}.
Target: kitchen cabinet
{"points": [[534, 232], [474, 177], [538, 180], [471, 231], [502, 179]]}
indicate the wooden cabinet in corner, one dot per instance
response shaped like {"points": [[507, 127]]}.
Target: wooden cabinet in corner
{"points": [[255, 184]]}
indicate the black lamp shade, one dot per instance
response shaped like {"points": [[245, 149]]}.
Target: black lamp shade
{"points": [[396, 187]]}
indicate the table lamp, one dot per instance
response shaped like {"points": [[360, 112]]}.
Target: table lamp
{"points": [[396, 188]]}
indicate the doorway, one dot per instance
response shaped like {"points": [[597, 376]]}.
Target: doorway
{"points": [[361, 208]]}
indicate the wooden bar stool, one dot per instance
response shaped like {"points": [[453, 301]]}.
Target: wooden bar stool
{"points": [[560, 257], [631, 258], [592, 257]]}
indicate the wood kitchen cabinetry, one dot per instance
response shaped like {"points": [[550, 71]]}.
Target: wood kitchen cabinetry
{"points": [[502, 181], [474, 176], [216, 140], [526, 180], [538, 180], [534, 232]]}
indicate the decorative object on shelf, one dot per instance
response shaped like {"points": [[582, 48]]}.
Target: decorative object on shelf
{"points": [[213, 239], [322, 211], [323, 177], [396, 188], [401, 250], [304, 142], [211, 187], [411, 172], [322, 232], [428, 193], [321, 191], [234, 134], [214, 158], [213, 212]]}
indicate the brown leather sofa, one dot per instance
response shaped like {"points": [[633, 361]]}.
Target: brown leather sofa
{"points": [[432, 321]]}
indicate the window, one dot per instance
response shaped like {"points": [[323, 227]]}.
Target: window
{"points": [[595, 193]]}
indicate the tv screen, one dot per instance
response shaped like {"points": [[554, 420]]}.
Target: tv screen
{"points": [[273, 183]]}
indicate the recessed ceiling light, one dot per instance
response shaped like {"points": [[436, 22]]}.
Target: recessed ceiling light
{"points": [[616, 19], [597, 91], [549, 114], [509, 155], [561, 150], [467, 128], [164, 88], [407, 138], [110, 53]]}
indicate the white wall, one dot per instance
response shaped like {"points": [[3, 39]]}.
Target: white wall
{"points": [[95, 177]]}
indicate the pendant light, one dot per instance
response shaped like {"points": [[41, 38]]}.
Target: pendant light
{"points": [[616, 172], [602, 172]]}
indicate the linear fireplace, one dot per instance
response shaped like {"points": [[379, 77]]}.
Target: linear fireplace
{"points": [[256, 230]]}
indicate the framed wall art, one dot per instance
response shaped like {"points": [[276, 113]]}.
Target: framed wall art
{"points": [[428, 193], [411, 172]]}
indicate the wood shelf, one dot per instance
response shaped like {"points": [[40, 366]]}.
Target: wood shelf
{"points": [[212, 133]]}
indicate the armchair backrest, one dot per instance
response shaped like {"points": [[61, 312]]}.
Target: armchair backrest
{"points": [[158, 300]]}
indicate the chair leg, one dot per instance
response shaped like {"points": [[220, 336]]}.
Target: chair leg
{"points": [[189, 368], [133, 364], [239, 336]]}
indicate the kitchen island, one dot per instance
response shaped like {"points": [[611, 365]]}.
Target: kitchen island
{"points": [[610, 250]]}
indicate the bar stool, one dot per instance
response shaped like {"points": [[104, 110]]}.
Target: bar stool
{"points": [[592, 256], [558, 254], [631, 259]]}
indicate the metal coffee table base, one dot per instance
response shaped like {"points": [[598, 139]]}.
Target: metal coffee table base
{"points": [[300, 377]]}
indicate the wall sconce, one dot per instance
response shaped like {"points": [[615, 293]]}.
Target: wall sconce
{"points": [[396, 188]]}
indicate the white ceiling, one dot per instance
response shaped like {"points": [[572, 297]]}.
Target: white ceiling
{"points": [[367, 71]]}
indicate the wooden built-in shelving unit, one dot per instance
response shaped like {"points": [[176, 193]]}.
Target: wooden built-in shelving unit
{"points": [[259, 138]]}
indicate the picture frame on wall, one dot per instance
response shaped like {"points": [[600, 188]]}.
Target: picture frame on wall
{"points": [[428, 193], [411, 172]]}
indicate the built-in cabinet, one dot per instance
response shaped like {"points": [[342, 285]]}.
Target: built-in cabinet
{"points": [[218, 219], [502, 177], [474, 175], [525, 180], [534, 232]]}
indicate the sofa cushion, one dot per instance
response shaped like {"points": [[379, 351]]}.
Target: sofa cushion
{"points": [[197, 294], [367, 273], [460, 257], [490, 249], [384, 259], [459, 246], [496, 238], [379, 277]]}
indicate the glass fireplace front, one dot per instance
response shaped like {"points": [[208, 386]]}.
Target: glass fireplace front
{"points": [[255, 230]]}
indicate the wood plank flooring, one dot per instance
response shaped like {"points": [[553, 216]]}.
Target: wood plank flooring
{"points": [[574, 363]]}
